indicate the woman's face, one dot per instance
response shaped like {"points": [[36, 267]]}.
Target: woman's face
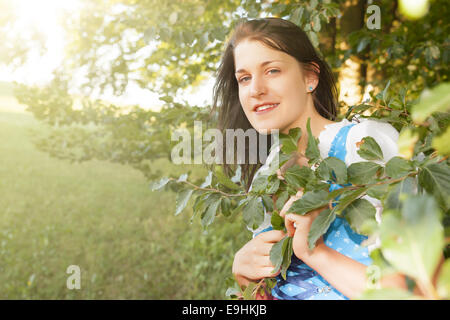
{"points": [[274, 79]]}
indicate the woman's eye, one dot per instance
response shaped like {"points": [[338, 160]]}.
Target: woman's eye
{"points": [[243, 78]]}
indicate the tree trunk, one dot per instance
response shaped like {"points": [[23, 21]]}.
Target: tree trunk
{"points": [[351, 71]]}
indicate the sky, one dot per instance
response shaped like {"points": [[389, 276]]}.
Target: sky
{"points": [[43, 15]]}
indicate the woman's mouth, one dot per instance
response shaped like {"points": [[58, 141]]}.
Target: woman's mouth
{"points": [[266, 108]]}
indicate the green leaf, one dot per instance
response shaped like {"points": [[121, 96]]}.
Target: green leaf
{"points": [[289, 141], [385, 92], [248, 292], [280, 255], [362, 44], [225, 206], [332, 169], [316, 185], [319, 226], [370, 150], [159, 184], [313, 4], [395, 103], [208, 180], [435, 179], [183, 177], [335, 193], [224, 180], [358, 212], [398, 191], [167, 99], [358, 109], [406, 141], [268, 202], [277, 221], [298, 176], [398, 167], [311, 200], [281, 200], [210, 213], [182, 200], [243, 202], [287, 256], [413, 240], [199, 206], [434, 100], [253, 213], [273, 185], [312, 150], [378, 191], [260, 184], [316, 23], [441, 143], [233, 292], [348, 197], [276, 253], [314, 38], [277, 162], [297, 14], [362, 172]]}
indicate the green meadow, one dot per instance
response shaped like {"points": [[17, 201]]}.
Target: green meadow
{"points": [[103, 218]]}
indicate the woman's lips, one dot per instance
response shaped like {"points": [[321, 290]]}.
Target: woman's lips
{"points": [[267, 110]]}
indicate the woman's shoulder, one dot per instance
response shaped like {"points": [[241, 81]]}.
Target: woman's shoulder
{"points": [[383, 133], [327, 136]]}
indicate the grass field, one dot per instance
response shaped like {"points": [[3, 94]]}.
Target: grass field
{"points": [[103, 218]]}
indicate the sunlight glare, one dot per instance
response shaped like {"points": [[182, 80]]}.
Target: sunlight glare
{"points": [[41, 16]]}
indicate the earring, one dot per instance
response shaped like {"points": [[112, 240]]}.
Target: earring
{"points": [[310, 88]]}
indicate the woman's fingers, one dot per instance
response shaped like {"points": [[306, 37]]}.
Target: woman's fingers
{"points": [[280, 175], [264, 262], [267, 272], [264, 242], [289, 222], [271, 236], [289, 203], [264, 248], [294, 222]]}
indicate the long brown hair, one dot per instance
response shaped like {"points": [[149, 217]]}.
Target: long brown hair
{"points": [[281, 35]]}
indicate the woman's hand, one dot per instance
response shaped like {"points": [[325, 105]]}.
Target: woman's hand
{"points": [[298, 226], [252, 261]]}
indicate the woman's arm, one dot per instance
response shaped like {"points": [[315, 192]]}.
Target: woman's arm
{"points": [[348, 276]]}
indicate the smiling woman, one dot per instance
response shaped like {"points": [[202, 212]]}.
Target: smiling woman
{"points": [[271, 62], [271, 78]]}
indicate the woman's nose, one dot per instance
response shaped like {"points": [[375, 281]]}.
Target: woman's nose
{"points": [[257, 87]]}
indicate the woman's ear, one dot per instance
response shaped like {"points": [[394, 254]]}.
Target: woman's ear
{"points": [[312, 71]]}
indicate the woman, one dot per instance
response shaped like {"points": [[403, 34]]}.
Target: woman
{"points": [[272, 78]]}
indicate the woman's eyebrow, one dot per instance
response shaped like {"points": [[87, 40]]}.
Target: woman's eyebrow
{"points": [[262, 65]]}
